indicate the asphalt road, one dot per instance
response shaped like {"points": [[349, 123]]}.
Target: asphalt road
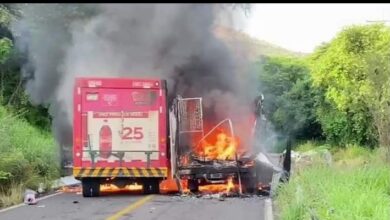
{"points": [[73, 206]]}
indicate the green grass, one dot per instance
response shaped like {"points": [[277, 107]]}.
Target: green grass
{"points": [[309, 146], [342, 191], [13, 196], [28, 157], [352, 152]]}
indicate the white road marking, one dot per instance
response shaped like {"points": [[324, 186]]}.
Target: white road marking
{"points": [[268, 215]]}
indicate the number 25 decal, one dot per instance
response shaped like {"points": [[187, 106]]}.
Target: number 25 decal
{"points": [[129, 133]]}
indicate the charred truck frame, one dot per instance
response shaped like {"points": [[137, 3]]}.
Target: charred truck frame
{"points": [[186, 125]]}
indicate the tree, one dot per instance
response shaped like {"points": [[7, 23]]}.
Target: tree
{"points": [[12, 93], [5, 44], [345, 70], [377, 91], [289, 97]]}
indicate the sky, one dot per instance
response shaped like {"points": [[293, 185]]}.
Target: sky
{"points": [[302, 27]]}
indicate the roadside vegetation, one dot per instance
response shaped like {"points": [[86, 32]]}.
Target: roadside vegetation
{"points": [[28, 158], [355, 186], [335, 99], [28, 152]]}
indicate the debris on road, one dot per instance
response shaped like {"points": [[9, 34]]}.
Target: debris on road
{"points": [[222, 198], [41, 188], [70, 189], [67, 184], [216, 196], [66, 181], [29, 197], [264, 189]]}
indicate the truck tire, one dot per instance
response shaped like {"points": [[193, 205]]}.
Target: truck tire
{"points": [[249, 184], [193, 185], [90, 187], [151, 186]]}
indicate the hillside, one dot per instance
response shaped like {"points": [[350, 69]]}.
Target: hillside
{"points": [[250, 48]]}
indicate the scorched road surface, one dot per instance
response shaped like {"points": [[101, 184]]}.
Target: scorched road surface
{"points": [[160, 207]]}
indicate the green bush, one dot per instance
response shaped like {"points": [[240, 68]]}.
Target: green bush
{"points": [[28, 156]]}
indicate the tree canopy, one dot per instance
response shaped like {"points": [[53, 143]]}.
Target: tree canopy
{"points": [[347, 70], [289, 98]]}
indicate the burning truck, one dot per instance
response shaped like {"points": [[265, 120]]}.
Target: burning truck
{"points": [[207, 155], [126, 134]]}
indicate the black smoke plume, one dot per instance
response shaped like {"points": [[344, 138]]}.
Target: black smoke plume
{"points": [[171, 41]]}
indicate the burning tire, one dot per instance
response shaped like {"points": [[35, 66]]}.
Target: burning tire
{"points": [[90, 187]]}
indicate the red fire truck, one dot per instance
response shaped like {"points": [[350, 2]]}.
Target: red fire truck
{"points": [[120, 133]]}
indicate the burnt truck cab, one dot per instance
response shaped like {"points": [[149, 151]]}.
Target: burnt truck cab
{"points": [[186, 124], [218, 172], [120, 133]]}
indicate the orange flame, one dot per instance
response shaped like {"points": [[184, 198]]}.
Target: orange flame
{"points": [[70, 189], [228, 138], [170, 186], [219, 147], [114, 188], [219, 188], [230, 185]]}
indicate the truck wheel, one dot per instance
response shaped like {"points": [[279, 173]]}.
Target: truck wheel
{"points": [[249, 184], [91, 187], [156, 186], [193, 185], [151, 186]]}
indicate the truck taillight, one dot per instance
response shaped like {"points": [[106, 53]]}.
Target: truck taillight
{"points": [[105, 136]]}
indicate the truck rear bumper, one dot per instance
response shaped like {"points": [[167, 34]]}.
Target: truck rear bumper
{"points": [[80, 172], [211, 173]]}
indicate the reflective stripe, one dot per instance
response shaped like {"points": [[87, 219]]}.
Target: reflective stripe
{"points": [[119, 171]]}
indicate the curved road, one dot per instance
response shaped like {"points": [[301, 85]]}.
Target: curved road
{"points": [[73, 206]]}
